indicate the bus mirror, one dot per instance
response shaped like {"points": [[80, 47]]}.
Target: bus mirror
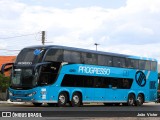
{"points": [[4, 65]]}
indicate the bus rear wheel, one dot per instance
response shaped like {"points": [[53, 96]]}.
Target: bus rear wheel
{"points": [[140, 100], [62, 99], [76, 100], [131, 100]]}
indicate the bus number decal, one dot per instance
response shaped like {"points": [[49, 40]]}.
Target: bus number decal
{"points": [[140, 78], [94, 70]]}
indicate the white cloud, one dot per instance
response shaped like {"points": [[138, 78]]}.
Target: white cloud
{"points": [[3, 45], [134, 27]]}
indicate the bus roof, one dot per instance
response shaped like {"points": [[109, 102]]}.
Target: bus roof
{"points": [[89, 51]]}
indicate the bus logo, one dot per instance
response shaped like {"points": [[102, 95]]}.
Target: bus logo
{"points": [[94, 70], [140, 78]]}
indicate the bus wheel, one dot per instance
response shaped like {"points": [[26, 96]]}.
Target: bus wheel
{"points": [[62, 99], [140, 100], [37, 104], [131, 100], [76, 100]]}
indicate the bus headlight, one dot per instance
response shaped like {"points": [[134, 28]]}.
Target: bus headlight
{"points": [[31, 94], [10, 94]]}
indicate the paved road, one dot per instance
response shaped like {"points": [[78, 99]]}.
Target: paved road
{"points": [[149, 109]]}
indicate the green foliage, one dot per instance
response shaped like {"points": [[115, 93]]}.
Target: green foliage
{"points": [[4, 83]]}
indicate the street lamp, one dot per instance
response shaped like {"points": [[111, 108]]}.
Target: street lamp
{"points": [[96, 44]]}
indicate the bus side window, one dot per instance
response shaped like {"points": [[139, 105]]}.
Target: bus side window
{"points": [[88, 82], [154, 65], [118, 62], [54, 55], [148, 65], [135, 64], [128, 63], [104, 60], [71, 56], [89, 58], [114, 82], [125, 83], [142, 64], [131, 63]]}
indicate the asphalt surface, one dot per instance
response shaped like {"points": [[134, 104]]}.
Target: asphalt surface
{"points": [[148, 110]]}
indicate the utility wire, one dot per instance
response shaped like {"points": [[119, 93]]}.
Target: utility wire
{"points": [[9, 50], [18, 36]]}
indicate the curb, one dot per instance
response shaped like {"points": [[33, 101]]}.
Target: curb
{"points": [[9, 102]]}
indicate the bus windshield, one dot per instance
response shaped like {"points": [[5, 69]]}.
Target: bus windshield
{"points": [[30, 56], [23, 78]]}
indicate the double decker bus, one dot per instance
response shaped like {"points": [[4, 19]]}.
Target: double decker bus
{"points": [[58, 75]]}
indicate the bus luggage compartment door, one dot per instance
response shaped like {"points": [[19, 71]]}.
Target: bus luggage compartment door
{"points": [[99, 94]]}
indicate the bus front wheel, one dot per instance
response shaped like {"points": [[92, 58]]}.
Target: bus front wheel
{"points": [[131, 100], [62, 99], [76, 99]]}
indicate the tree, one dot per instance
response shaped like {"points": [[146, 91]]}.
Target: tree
{"points": [[4, 83]]}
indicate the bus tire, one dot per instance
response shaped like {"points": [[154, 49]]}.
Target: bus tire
{"points": [[76, 99], [37, 104], [140, 100], [131, 100], [62, 99]]}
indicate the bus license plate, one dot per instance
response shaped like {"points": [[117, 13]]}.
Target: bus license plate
{"points": [[19, 100]]}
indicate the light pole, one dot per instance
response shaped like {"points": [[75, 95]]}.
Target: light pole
{"points": [[43, 37], [96, 44]]}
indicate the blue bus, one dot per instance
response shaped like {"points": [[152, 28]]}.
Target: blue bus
{"points": [[59, 75]]}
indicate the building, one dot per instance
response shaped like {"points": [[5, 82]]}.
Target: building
{"points": [[6, 59]]}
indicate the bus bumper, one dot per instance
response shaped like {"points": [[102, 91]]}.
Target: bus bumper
{"points": [[22, 95]]}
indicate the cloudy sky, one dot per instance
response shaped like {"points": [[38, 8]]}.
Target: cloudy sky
{"points": [[119, 26]]}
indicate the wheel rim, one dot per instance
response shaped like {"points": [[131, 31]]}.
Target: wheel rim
{"points": [[131, 101], [140, 100], [62, 99], [76, 99]]}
